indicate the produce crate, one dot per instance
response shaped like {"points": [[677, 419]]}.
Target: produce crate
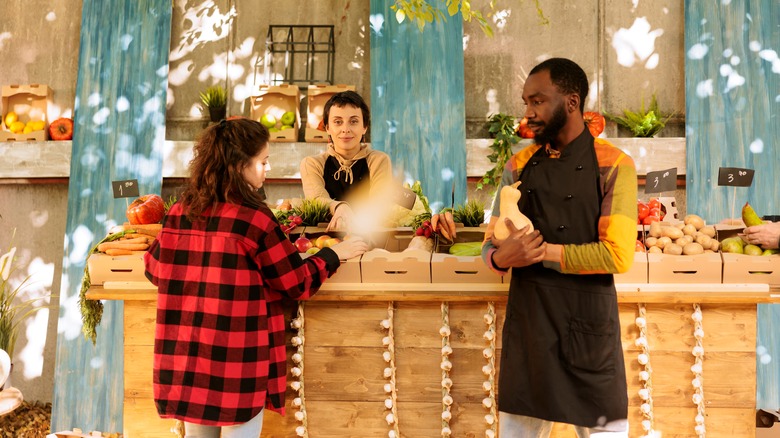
{"points": [[388, 262], [317, 96], [29, 102], [447, 268], [638, 272], [701, 268], [349, 271], [275, 100], [103, 267], [741, 268]]}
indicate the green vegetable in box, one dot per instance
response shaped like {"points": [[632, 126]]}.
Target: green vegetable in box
{"points": [[466, 249]]}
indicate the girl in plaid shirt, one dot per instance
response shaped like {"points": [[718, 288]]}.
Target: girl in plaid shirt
{"points": [[222, 265]]}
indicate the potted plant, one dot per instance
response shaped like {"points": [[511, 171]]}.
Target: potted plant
{"points": [[13, 308], [215, 101], [644, 123]]}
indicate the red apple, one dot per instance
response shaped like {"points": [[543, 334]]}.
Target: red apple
{"points": [[148, 209], [302, 243], [61, 129]]}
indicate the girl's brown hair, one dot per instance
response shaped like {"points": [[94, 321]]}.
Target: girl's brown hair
{"points": [[220, 154]]}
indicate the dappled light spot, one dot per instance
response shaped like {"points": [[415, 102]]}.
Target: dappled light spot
{"points": [[51, 16], [704, 89], [377, 21], [96, 362], [125, 41], [733, 80], [93, 100], [31, 354], [181, 73], [4, 36], [447, 174], [636, 44], [698, 51], [500, 18], [757, 146], [122, 104], [491, 97], [101, 116]]}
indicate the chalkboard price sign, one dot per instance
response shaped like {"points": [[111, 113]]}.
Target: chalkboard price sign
{"points": [[661, 181], [125, 188], [735, 176]]}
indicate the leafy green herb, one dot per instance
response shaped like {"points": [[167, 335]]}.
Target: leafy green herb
{"points": [[92, 310], [502, 128], [643, 123]]}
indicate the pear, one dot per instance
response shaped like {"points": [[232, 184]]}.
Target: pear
{"points": [[749, 216]]}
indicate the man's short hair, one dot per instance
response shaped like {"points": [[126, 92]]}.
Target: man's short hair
{"points": [[565, 74]]}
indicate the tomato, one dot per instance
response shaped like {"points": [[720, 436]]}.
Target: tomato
{"points": [[642, 211], [650, 219], [654, 203], [595, 122], [523, 130], [148, 209], [639, 247]]}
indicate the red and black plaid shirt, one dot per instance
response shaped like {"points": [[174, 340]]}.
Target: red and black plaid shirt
{"points": [[219, 349]]}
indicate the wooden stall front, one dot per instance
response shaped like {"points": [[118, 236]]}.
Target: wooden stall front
{"points": [[344, 367]]}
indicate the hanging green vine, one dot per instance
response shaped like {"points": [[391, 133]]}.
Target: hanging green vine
{"points": [[422, 12], [502, 128]]}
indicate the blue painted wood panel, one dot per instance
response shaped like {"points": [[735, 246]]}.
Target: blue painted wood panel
{"points": [[119, 134], [732, 92], [417, 101]]}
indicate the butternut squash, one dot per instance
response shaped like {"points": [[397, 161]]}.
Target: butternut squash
{"points": [[510, 196]]}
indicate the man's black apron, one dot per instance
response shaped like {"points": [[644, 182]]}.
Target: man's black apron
{"points": [[562, 358]]}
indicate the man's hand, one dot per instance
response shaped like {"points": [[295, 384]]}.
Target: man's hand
{"points": [[520, 249]]}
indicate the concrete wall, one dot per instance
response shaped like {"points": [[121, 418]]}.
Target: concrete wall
{"points": [[220, 42]]}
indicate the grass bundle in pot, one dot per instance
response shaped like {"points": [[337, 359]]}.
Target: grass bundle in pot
{"points": [[215, 101]]}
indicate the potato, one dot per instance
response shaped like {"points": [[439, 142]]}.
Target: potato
{"points": [[651, 242], [684, 240], [689, 230], [704, 240], [655, 230], [709, 230], [663, 241], [673, 249], [678, 225], [671, 232], [654, 250], [714, 245], [696, 221], [693, 248]]}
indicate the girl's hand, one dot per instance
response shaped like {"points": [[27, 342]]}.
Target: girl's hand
{"points": [[348, 249]]}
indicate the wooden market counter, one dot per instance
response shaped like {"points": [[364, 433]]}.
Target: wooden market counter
{"points": [[344, 363]]}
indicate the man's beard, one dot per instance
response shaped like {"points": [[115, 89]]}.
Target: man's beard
{"points": [[553, 127]]}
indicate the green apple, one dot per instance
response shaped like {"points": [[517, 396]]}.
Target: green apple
{"points": [[273, 129], [312, 250], [286, 127], [268, 120], [288, 118]]}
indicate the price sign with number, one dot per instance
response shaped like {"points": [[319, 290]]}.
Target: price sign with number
{"points": [[661, 181], [735, 176], [125, 189], [405, 198]]}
